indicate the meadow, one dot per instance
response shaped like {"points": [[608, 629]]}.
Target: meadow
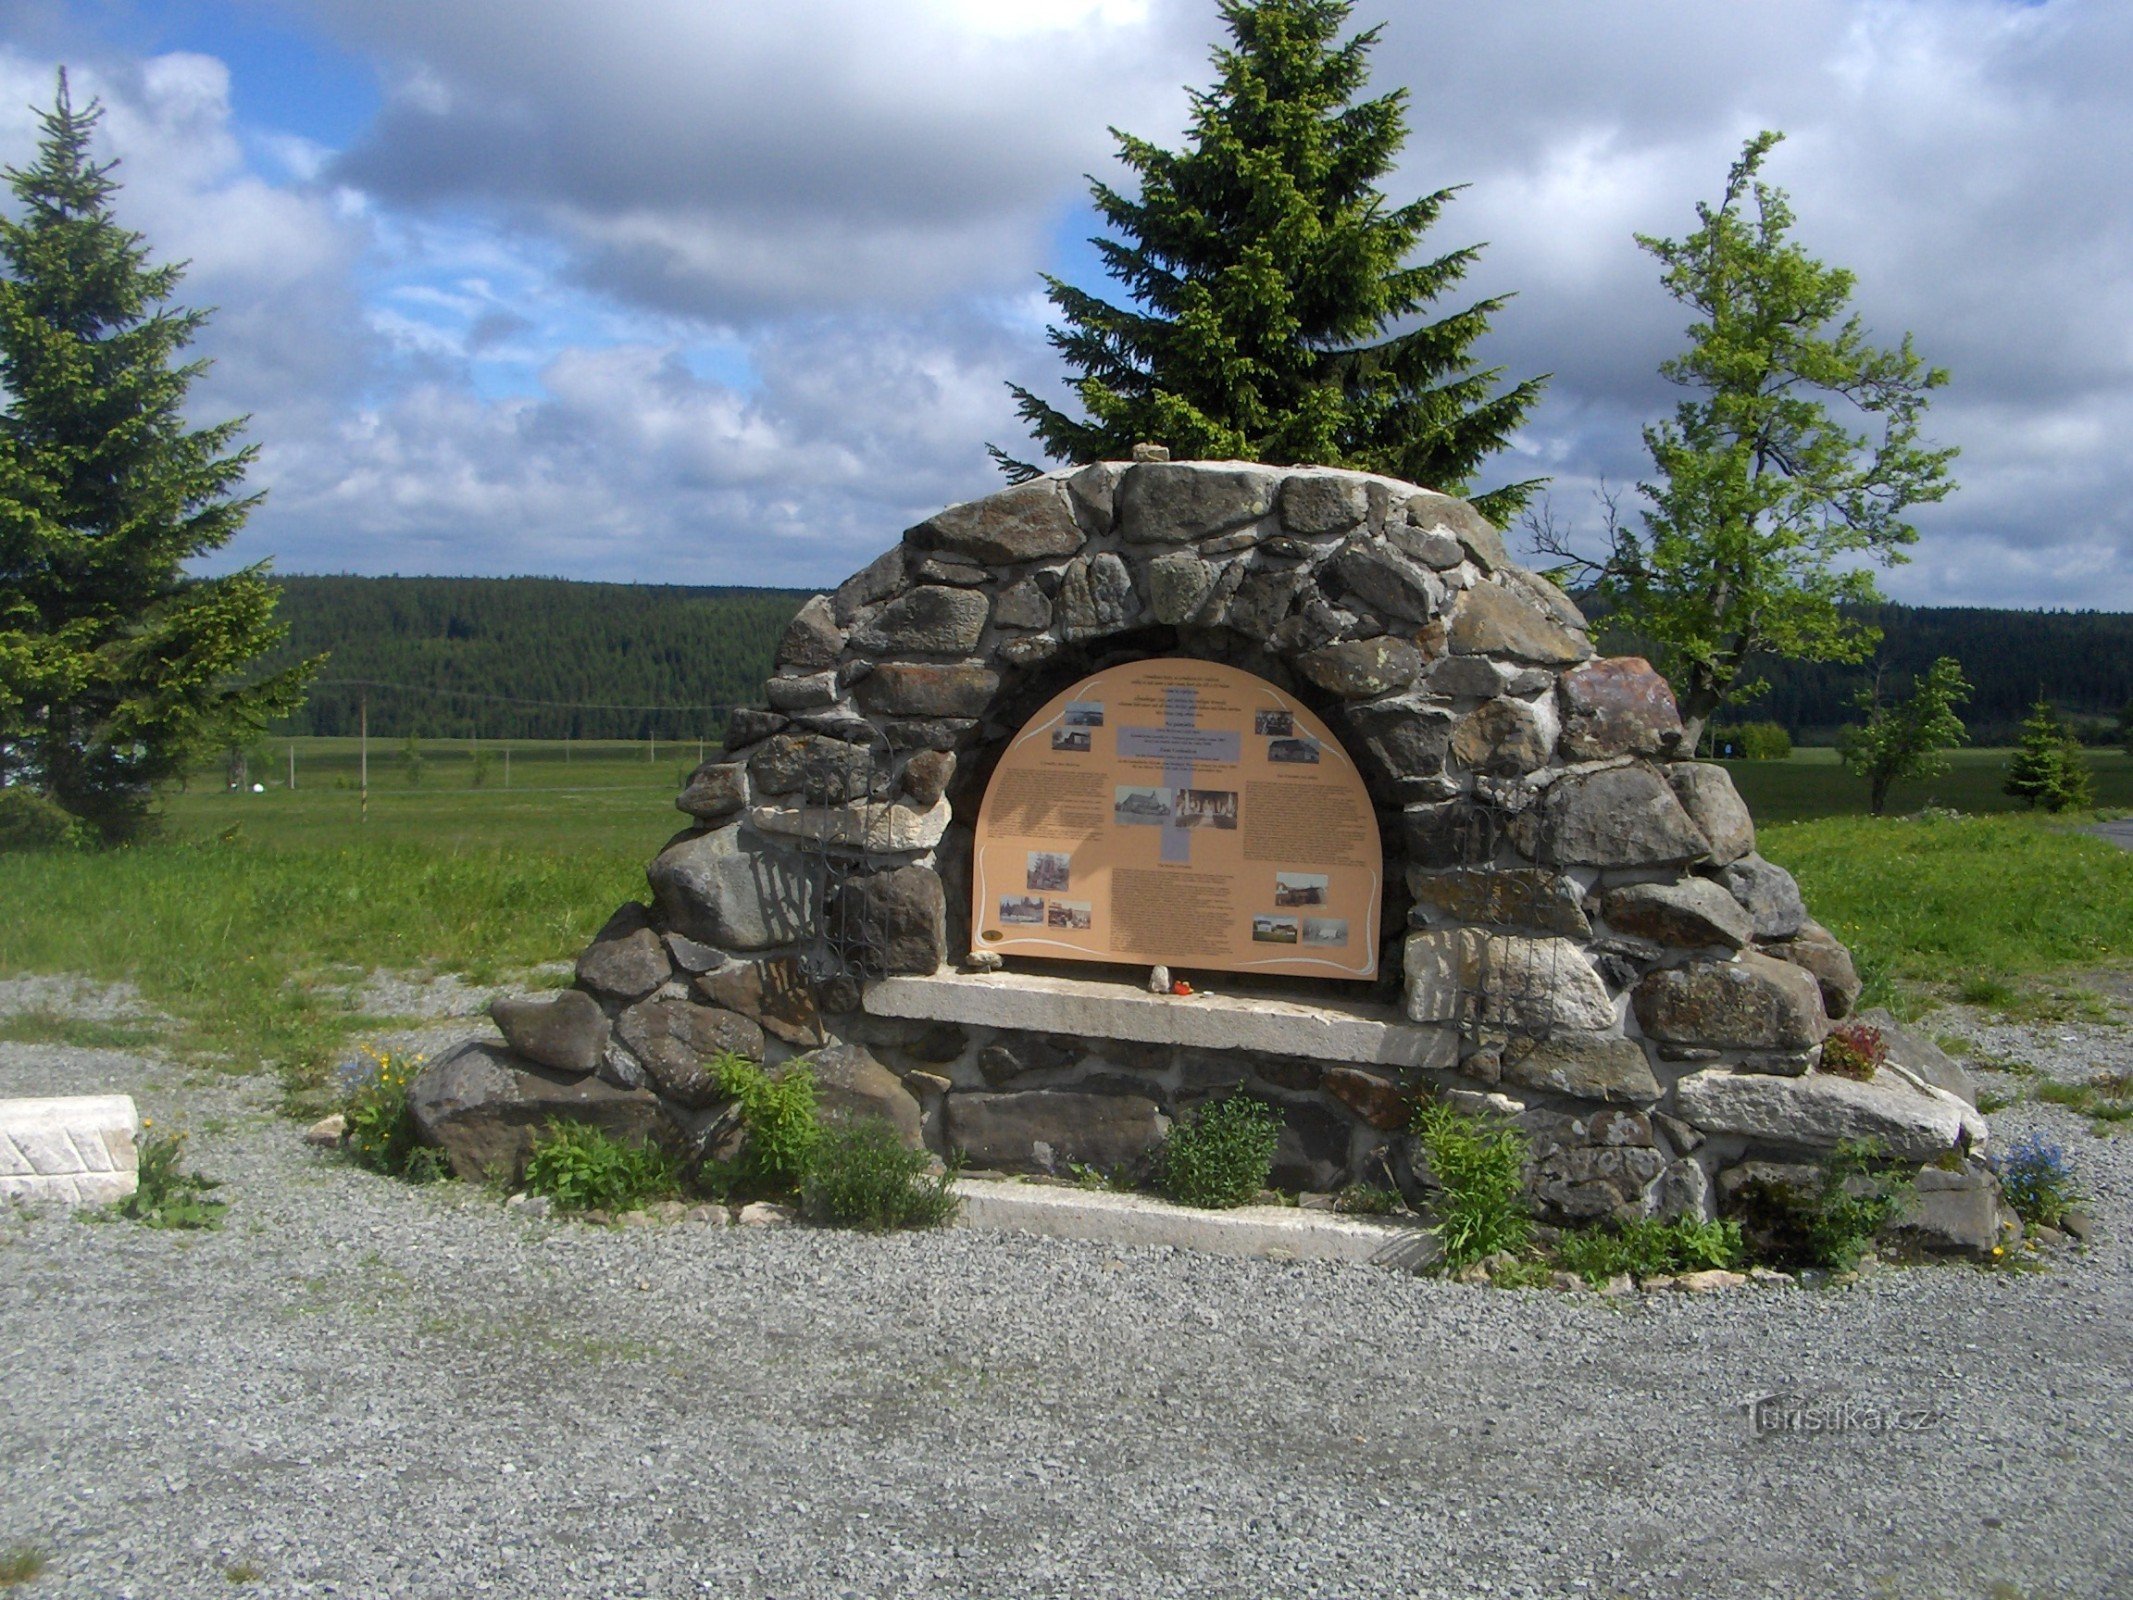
{"points": [[250, 917]]}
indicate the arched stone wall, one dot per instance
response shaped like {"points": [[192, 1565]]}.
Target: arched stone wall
{"points": [[1580, 933]]}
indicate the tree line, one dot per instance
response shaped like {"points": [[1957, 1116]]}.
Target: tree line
{"points": [[528, 658]]}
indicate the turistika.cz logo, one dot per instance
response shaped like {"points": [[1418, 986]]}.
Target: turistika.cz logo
{"points": [[1793, 1413]]}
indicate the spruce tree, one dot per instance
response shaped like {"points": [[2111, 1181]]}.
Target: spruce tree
{"points": [[2048, 767], [117, 668], [1264, 269]]}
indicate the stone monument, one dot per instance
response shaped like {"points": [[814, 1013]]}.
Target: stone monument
{"points": [[1548, 909]]}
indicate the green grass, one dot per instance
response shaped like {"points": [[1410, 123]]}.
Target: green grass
{"points": [[19, 1564], [1976, 907], [237, 921], [1814, 784]]}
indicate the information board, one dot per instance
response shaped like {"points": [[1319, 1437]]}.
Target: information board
{"points": [[1179, 812]]}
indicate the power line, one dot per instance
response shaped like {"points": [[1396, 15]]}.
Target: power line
{"points": [[505, 699]]}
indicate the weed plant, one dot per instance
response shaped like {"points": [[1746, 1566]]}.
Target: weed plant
{"points": [[859, 1175], [1222, 1157], [583, 1168], [1480, 1167], [2105, 1099], [1854, 1050], [2038, 1180], [381, 1130], [167, 1196], [1368, 1200], [1833, 1224], [782, 1127], [1651, 1249]]}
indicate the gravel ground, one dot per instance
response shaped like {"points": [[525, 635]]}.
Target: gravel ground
{"points": [[363, 1389]]}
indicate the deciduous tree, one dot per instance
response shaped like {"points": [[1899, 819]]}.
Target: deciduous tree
{"points": [[1786, 473], [1908, 738]]}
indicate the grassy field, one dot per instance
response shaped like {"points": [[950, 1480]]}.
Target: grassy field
{"points": [[248, 918]]}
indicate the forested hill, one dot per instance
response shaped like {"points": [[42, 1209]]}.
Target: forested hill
{"points": [[592, 646], [588, 648], [2082, 661]]}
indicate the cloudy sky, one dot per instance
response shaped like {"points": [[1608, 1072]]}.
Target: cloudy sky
{"points": [[728, 291]]}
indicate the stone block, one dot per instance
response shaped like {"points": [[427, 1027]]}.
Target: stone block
{"points": [[1384, 581], [1314, 503], [1528, 898], [1506, 738], [1430, 512], [1170, 502], [812, 641], [1815, 949], [1096, 596], [1178, 585], [1616, 817], [850, 1083], [675, 1041], [926, 776], [1579, 1183], [565, 1031], [626, 958], [1050, 1130], [1706, 793], [1912, 1050], [715, 791], [1512, 982], [733, 891], [901, 689], [813, 764], [905, 915], [1955, 1214], [1362, 669], [1379, 1101], [1751, 1003], [1617, 707], [1408, 740], [483, 1107], [1025, 523], [871, 584], [1768, 893], [933, 620], [774, 994], [69, 1150], [1022, 605], [1819, 1111], [897, 826], [813, 692], [1688, 914], [1492, 620], [1586, 1066]]}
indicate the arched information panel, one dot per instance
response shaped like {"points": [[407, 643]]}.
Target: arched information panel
{"points": [[1179, 812]]}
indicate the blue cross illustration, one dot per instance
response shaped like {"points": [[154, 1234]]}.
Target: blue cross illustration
{"points": [[1180, 744]]}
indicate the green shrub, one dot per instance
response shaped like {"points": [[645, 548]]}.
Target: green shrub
{"points": [[583, 1168], [167, 1196], [20, 1563], [1222, 1157], [1750, 741], [1651, 1249], [381, 1130], [1368, 1200], [28, 821], [779, 1116], [1481, 1168], [1832, 1224], [859, 1175]]}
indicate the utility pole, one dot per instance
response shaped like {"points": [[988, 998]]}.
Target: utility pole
{"points": [[363, 732], [507, 766], [292, 764]]}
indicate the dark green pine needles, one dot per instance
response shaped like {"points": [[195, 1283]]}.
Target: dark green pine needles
{"points": [[1265, 269]]}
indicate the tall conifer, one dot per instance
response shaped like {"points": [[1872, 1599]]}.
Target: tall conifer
{"points": [[1264, 271], [116, 666]]}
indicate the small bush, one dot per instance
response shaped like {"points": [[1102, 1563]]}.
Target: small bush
{"points": [[779, 1115], [1222, 1157], [583, 1168], [1832, 1225], [859, 1175], [2038, 1180], [1482, 1170], [1750, 741], [1854, 1050], [1652, 1249], [381, 1130], [167, 1196], [28, 821]]}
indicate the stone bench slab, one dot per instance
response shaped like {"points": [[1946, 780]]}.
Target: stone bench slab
{"points": [[73, 1150], [1340, 1030], [1275, 1233]]}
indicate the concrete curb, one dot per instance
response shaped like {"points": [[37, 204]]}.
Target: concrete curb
{"points": [[72, 1151], [1275, 1233]]}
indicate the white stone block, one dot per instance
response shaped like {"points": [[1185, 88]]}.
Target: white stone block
{"points": [[76, 1150]]}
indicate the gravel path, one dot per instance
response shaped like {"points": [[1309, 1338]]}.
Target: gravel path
{"points": [[363, 1389], [2119, 833]]}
